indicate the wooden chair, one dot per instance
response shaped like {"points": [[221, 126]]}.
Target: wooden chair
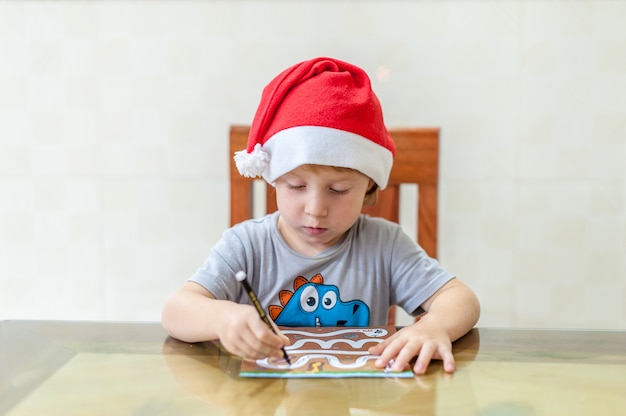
{"points": [[416, 162]]}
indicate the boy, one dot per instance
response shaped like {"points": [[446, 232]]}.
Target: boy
{"points": [[319, 138]]}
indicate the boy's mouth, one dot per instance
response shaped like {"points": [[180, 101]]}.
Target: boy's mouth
{"points": [[314, 230]]}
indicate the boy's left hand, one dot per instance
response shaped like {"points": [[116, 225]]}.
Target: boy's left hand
{"points": [[423, 339]]}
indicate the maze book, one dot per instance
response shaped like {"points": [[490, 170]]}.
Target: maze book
{"points": [[326, 352]]}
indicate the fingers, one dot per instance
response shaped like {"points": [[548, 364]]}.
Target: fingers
{"points": [[401, 352], [449, 365], [388, 353], [285, 339], [424, 357], [261, 342], [249, 337], [252, 346], [379, 348]]}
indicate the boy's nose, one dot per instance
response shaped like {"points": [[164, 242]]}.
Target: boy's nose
{"points": [[316, 207]]}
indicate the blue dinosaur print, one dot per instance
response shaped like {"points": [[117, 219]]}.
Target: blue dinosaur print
{"points": [[315, 304]]}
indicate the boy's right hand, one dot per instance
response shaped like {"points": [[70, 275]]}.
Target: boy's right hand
{"points": [[242, 332]]}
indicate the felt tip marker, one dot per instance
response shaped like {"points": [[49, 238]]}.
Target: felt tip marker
{"points": [[241, 277]]}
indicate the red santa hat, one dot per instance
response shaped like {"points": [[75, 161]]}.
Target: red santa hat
{"points": [[322, 111]]}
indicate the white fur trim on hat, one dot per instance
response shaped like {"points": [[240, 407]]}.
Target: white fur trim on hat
{"points": [[302, 145], [253, 164]]}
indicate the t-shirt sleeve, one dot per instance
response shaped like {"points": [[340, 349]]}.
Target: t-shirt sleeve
{"points": [[416, 275], [217, 273]]}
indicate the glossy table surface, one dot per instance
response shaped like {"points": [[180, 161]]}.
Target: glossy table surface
{"points": [[91, 368]]}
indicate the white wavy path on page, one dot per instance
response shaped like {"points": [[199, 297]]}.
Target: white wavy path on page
{"points": [[332, 352], [328, 344], [326, 352], [304, 359], [370, 332]]}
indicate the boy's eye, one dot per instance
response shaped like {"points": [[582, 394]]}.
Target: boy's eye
{"points": [[339, 191], [291, 186]]}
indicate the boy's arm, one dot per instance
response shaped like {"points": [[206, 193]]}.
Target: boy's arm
{"points": [[452, 311], [190, 313], [453, 307]]}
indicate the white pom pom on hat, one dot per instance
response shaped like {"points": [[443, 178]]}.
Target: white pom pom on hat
{"points": [[321, 111]]}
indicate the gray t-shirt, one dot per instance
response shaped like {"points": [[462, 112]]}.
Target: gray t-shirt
{"points": [[353, 283]]}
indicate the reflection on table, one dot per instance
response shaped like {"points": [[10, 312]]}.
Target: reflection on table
{"points": [[134, 368]]}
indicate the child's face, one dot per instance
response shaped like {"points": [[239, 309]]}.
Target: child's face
{"points": [[318, 204]]}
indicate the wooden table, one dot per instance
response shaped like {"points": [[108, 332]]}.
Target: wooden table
{"points": [[87, 368]]}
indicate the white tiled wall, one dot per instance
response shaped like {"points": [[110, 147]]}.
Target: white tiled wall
{"points": [[114, 118]]}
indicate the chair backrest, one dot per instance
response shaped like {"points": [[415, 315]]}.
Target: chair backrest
{"points": [[416, 162]]}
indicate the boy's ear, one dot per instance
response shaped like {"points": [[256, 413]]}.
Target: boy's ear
{"points": [[371, 196]]}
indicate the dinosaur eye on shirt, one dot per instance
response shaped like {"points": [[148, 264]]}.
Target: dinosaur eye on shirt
{"points": [[309, 299], [329, 300]]}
